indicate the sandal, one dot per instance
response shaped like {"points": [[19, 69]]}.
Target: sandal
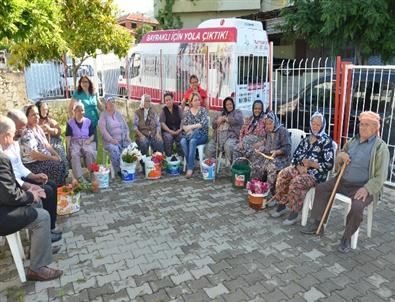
{"points": [[43, 274]]}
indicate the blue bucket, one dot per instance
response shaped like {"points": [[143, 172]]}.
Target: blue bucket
{"points": [[103, 179], [128, 172], [208, 171], [173, 167]]}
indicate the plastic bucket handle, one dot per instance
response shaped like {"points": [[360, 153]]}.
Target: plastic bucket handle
{"points": [[240, 158]]}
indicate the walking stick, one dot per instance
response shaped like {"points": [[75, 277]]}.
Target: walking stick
{"points": [[264, 155], [216, 155], [330, 201]]}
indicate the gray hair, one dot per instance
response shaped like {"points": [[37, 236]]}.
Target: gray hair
{"points": [[78, 105], [6, 125], [17, 116]]}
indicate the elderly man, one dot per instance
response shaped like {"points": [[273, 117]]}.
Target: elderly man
{"points": [[26, 178], [17, 212], [367, 157]]}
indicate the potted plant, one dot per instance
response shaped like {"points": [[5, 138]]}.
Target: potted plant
{"points": [[69, 197], [129, 157], [101, 177], [153, 166], [257, 191]]}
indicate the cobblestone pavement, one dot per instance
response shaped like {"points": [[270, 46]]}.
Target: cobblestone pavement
{"points": [[175, 239]]}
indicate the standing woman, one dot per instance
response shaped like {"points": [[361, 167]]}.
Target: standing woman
{"points": [[277, 146], [226, 128], [52, 131], [36, 152], [311, 162], [195, 127], [252, 133], [86, 94]]}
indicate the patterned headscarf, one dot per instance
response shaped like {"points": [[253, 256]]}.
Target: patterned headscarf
{"points": [[323, 124], [224, 111], [256, 119], [276, 122]]}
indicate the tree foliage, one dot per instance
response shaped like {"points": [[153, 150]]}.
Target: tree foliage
{"points": [[141, 31], [166, 18], [38, 30], [367, 24]]}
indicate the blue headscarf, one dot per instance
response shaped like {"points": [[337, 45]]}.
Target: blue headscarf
{"points": [[321, 132], [276, 122], [256, 119]]}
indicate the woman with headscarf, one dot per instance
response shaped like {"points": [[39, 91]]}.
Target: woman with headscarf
{"points": [[115, 132], [275, 154], [226, 128], [147, 127], [52, 131], [251, 133], [311, 162]]}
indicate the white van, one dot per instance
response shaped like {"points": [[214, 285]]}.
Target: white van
{"points": [[229, 56]]}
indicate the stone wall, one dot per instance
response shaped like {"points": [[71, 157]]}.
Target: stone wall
{"points": [[12, 90]]}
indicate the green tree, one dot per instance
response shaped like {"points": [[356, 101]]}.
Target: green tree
{"points": [[89, 25], [166, 18], [141, 31], [30, 30], [367, 24]]}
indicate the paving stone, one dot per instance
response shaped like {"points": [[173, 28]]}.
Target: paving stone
{"points": [[236, 296], [161, 283], [313, 295], [121, 296], [216, 291], [177, 279], [106, 289], [139, 291], [161, 295], [199, 296], [292, 289]]}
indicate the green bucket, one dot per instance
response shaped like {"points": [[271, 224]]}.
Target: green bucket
{"points": [[241, 172]]}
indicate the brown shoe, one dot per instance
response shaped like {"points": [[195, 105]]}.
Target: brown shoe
{"points": [[43, 274]]}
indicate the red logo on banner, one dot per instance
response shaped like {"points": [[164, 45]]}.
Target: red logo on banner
{"points": [[223, 34]]}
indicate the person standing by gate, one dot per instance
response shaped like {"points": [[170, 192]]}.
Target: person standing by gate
{"points": [[194, 88]]}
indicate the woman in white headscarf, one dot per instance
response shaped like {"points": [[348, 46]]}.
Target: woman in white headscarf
{"points": [[147, 127], [311, 162]]}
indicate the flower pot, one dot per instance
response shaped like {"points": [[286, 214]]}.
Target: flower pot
{"points": [[128, 171], [103, 178], [68, 203], [256, 201], [208, 172], [152, 170], [173, 167]]}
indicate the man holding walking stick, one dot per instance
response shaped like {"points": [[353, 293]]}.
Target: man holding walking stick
{"points": [[367, 157]]}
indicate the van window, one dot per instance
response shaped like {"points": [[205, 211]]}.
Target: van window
{"points": [[251, 69], [135, 65]]}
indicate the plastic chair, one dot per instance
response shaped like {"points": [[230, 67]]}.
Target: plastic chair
{"points": [[200, 149], [348, 202], [309, 198], [15, 244], [296, 136]]}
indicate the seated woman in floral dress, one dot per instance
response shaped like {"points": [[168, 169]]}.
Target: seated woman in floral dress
{"points": [[311, 162], [226, 128], [251, 133], [277, 148], [37, 153]]}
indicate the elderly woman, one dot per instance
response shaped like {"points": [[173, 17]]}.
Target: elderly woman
{"points": [[195, 127], [115, 132], [86, 95], [226, 128], [312, 161], [52, 131], [37, 154], [170, 122], [80, 141], [147, 127], [252, 133], [275, 154]]}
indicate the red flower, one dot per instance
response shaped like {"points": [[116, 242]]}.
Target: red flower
{"points": [[95, 167]]}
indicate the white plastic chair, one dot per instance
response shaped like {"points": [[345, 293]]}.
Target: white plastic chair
{"points": [[348, 202], [296, 136], [200, 149], [15, 244], [309, 198]]}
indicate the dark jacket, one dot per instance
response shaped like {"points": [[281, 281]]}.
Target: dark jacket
{"points": [[16, 211]]}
